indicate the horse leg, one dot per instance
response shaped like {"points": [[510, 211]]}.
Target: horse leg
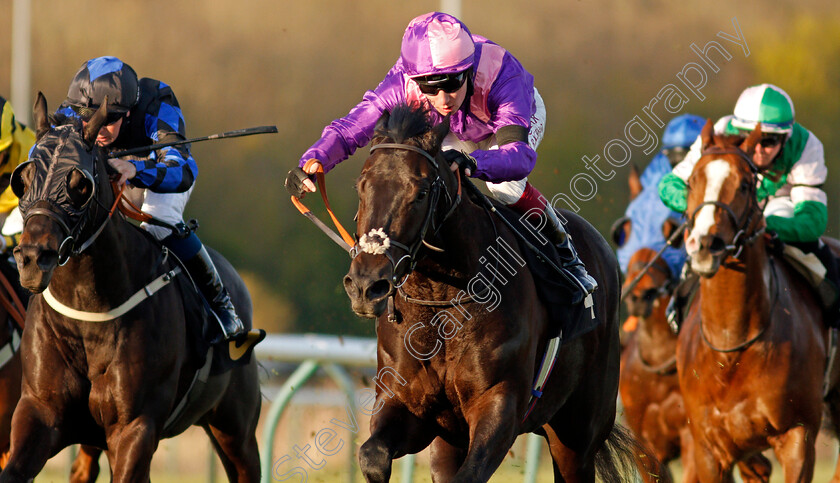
{"points": [[394, 432], [232, 426], [834, 413], [85, 468], [755, 469], [33, 442], [445, 460], [130, 449], [796, 452], [708, 468], [239, 454], [491, 420]]}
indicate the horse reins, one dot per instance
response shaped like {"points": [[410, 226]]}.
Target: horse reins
{"points": [[428, 221], [738, 241], [761, 332], [669, 242], [345, 241]]}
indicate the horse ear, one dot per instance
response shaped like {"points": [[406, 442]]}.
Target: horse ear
{"points": [[634, 181], [620, 231], [40, 116], [95, 123], [434, 138], [707, 134], [749, 144]]}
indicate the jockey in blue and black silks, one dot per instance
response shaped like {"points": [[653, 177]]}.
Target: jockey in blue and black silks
{"points": [[142, 112]]}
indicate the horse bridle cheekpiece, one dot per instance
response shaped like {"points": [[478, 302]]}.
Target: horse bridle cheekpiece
{"points": [[741, 237], [48, 194], [377, 242]]}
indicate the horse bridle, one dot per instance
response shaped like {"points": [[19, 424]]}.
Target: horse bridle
{"points": [[741, 237], [413, 248], [68, 246]]}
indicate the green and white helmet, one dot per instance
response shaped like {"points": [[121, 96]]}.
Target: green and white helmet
{"points": [[767, 104]]}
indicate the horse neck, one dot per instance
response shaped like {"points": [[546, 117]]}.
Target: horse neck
{"points": [[737, 298], [464, 236], [108, 271], [657, 342]]}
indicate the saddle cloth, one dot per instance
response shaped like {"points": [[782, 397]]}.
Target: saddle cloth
{"points": [[569, 320]]}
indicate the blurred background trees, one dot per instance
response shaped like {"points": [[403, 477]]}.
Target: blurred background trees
{"points": [[299, 65]]}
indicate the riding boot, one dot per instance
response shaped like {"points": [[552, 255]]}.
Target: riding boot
{"points": [[207, 278], [558, 236], [681, 299]]}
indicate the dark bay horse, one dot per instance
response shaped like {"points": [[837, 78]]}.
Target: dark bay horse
{"points": [[112, 384], [458, 353], [751, 358]]}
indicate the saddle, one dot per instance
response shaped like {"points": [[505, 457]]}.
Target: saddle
{"points": [[570, 320], [819, 267]]}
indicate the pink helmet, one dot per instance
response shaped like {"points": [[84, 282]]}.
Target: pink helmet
{"points": [[436, 43]]}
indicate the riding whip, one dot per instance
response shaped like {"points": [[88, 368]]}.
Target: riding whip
{"points": [[230, 134]]}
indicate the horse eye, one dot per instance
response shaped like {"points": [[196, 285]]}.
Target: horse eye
{"points": [[745, 186], [422, 194]]}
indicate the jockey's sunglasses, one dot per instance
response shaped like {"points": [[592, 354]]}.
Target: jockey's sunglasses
{"points": [[87, 112], [448, 83], [771, 140]]}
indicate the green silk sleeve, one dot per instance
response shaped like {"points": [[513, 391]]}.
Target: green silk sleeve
{"points": [[808, 223]]}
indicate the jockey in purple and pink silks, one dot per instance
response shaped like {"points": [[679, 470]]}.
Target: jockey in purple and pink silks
{"points": [[496, 116]]}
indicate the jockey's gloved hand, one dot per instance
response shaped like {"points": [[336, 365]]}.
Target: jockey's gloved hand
{"points": [[294, 182], [464, 161]]}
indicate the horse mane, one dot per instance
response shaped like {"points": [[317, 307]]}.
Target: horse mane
{"points": [[406, 123]]}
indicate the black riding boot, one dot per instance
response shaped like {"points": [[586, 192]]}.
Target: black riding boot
{"points": [[568, 255], [681, 298], [207, 278]]}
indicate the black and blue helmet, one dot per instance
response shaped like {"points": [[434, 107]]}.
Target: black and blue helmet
{"points": [[100, 78]]}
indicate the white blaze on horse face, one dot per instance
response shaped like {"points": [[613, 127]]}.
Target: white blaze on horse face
{"points": [[716, 173]]}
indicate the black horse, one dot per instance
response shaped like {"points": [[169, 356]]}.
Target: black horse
{"points": [[113, 384], [458, 353]]}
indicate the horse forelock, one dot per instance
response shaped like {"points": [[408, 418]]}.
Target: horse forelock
{"points": [[405, 124]]}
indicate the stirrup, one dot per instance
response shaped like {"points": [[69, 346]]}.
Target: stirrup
{"points": [[229, 322]]}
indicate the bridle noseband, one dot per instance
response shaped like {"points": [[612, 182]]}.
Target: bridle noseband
{"points": [[429, 221], [741, 238]]}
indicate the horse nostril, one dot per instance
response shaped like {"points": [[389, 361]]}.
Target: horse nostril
{"points": [[350, 287], [717, 245], [378, 289]]}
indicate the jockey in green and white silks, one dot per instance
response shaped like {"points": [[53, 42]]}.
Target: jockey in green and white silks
{"points": [[790, 159], [792, 171]]}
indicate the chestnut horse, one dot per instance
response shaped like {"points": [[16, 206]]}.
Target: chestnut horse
{"points": [[751, 359], [9, 365], [649, 384], [461, 355], [113, 384]]}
